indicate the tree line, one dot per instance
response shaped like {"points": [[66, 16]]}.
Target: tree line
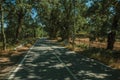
{"points": [[60, 18]]}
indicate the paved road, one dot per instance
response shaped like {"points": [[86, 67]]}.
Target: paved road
{"points": [[48, 61]]}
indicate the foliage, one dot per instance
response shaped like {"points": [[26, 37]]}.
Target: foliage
{"points": [[62, 18], [106, 56]]}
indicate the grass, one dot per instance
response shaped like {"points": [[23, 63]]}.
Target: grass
{"points": [[11, 47], [11, 57], [107, 57], [97, 50], [26, 41]]}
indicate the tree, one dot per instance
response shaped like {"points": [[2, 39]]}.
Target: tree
{"points": [[21, 9], [2, 25], [114, 26], [11, 21], [101, 19]]}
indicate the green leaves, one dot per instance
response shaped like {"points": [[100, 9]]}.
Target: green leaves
{"points": [[63, 17]]}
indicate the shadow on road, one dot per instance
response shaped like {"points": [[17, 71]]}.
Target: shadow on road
{"points": [[85, 68], [42, 64]]}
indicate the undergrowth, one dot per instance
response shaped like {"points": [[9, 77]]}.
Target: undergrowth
{"points": [[108, 57]]}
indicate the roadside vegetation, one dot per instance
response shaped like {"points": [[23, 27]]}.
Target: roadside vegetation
{"points": [[13, 55], [97, 50]]}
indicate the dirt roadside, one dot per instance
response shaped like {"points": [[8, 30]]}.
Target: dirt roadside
{"points": [[10, 58]]}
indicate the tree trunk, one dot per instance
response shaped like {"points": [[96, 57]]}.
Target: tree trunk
{"points": [[112, 34], [2, 29], [20, 21], [52, 35], [111, 40], [34, 32]]}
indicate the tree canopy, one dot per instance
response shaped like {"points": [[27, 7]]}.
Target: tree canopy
{"points": [[60, 18]]}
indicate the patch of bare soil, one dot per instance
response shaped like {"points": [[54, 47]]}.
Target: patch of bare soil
{"points": [[116, 65], [96, 44], [9, 60]]}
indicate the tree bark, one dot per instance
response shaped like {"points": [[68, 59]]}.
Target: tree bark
{"points": [[112, 34], [2, 28], [20, 21], [34, 32], [111, 40]]}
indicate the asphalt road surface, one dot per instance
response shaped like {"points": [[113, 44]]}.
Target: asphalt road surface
{"points": [[47, 60]]}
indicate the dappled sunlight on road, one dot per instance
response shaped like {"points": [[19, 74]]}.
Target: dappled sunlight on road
{"points": [[91, 74], [44, 66], [52, 62]]}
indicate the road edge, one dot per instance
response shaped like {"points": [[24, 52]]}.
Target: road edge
{"points": [[13, 72]]}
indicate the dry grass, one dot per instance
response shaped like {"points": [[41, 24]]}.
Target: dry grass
{"points": [[96, 44], [99, 51], [11, 57], [4, 59], [24, 48], [28, 45]]}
